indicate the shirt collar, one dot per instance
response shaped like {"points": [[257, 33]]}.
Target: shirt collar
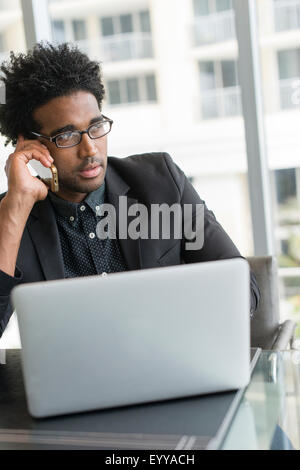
{"points": [[69, 209]]}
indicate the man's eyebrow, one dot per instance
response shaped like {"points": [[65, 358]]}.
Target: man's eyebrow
{"points": [[71, 127]]}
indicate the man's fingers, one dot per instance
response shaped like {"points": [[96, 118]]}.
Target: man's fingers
{"points": [[27, 147], [20, 141], [26, 156]]}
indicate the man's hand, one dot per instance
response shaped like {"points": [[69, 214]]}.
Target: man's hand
{"points": [[24, 190], [20, 181]]}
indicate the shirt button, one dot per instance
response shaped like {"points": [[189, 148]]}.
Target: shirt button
{"points": [[97, 208], [104, 274], [92, 235], [82, 208], [72, 219]]}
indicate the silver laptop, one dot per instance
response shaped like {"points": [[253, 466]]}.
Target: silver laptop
{"points": [[98, 342]]}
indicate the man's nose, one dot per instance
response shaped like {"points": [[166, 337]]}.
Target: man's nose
{"points": [[87, 146]]}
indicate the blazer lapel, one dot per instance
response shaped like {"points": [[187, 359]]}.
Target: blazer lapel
{"points": [[116, 187], [44, 233]]}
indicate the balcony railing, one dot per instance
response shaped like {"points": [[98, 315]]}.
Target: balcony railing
{"points": [[287, 15], [290, 93], [217, 27], [119, 47], [221, 102], [126, 47]]}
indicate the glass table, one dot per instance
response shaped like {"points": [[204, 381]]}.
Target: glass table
{"points": [[264, 415], [268, 416]]}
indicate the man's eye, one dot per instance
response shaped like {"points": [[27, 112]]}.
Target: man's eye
{"points": [[66, 136], [97, 125]]}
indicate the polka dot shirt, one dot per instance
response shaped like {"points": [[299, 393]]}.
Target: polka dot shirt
{"points": [[84, 254]]}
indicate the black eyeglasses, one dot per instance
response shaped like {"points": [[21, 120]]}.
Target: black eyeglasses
{"points": [[71, 138]]}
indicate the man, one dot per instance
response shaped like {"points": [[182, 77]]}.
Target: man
{"points": [[53, 114]]}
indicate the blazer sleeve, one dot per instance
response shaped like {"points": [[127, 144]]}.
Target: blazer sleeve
{"points": [[7, 283], [217, 244]]}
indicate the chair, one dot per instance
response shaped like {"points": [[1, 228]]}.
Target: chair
{"points": [[266, 330]]}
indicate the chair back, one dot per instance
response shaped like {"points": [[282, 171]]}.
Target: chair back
{"points": [[265, 324]]}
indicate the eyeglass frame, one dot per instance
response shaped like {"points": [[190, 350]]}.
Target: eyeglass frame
{"points": [[86, 131]]}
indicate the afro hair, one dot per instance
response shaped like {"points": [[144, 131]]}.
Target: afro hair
{"points": [[44, 73]]}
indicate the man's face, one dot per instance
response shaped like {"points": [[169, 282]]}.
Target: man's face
{"points": [[74, 112]]}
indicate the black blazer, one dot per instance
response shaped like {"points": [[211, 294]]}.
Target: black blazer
{"points": [[148, 179]]}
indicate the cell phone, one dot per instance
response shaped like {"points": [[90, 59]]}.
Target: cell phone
{"points": [[52, 182], [49, 176]]}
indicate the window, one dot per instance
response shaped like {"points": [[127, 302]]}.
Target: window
{"points": [[151, 88], [2, 43], [286, 187], [214, 21], [79, 30], [280, 60], [289, 64], [12, 37], [132, 90], [126, 23], [145, 24], [223, 5], [58, 31], [286, 14], [126, 37], [207, 7], [220, 93], [114, 92], [289, 77], [107, 26]]}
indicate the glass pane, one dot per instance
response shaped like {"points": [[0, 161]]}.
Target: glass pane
{"points": [[289, 63], [107, 26], [201, 7], [79, 30], [126, 24], [151, 88], [229, 73], [132, 87], [213, 23], [223, 5], [207, 75], [2, 43], [280, 61], [58, 31], [267, 418], [145, 21], [286, 15], [114, 92], [12, 38], [286, 187]]}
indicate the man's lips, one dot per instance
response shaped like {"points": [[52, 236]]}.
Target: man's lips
{"points": [[91, 171]]}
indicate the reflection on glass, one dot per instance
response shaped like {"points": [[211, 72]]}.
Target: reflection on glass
{"points": [[11, 39], [279, 28], [220, 90], [214, 21]]}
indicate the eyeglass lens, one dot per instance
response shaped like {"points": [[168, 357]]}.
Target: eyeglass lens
{"points": [[73, 138]]}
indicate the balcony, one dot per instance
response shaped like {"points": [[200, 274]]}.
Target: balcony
{"points": [[221, 102], [217, 27], [290, 93], [287, 15], [126, 47]]}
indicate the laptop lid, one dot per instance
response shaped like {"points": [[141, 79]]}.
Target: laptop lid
{"points": [[139, 336]]}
